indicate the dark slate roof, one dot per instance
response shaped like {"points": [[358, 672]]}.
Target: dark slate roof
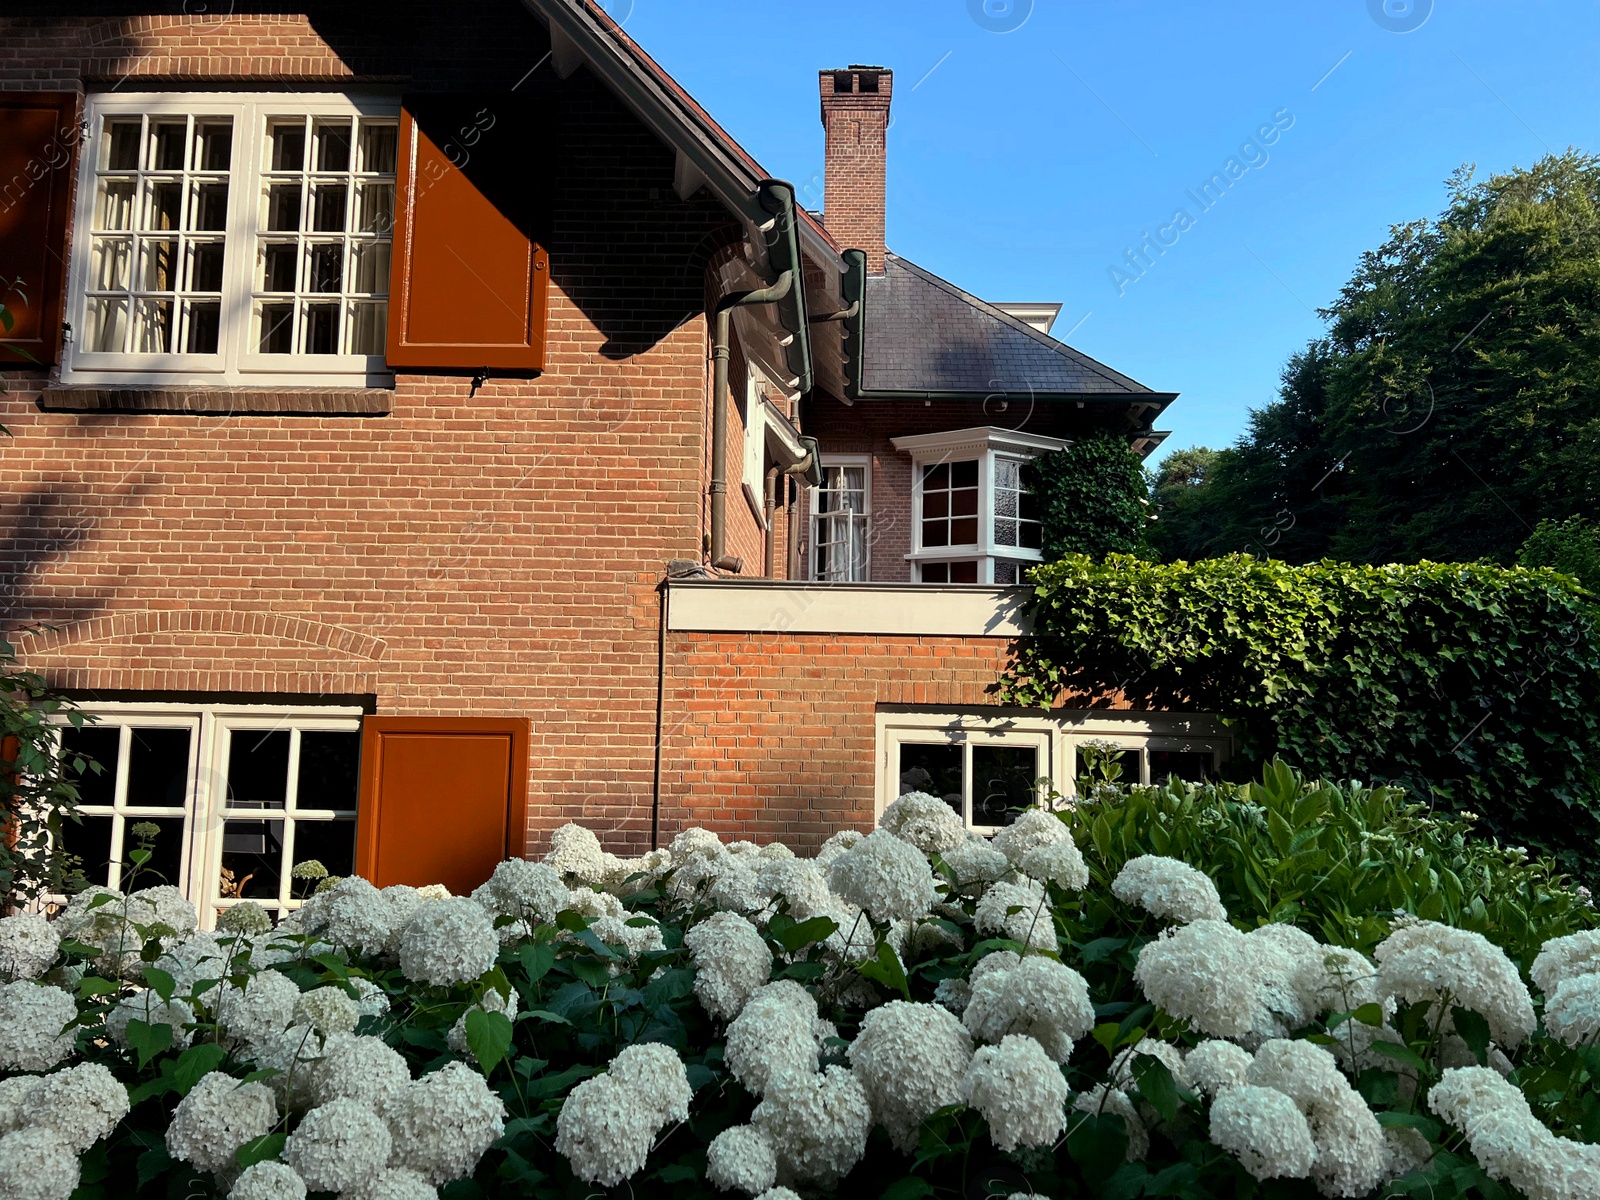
{"points": [[924, 334]]}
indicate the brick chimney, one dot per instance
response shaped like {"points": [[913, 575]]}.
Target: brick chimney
{"points": [[855, 113]]}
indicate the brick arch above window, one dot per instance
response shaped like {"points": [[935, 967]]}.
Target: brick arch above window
{"points": [[287, 627]]}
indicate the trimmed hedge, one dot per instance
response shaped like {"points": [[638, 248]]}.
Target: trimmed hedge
{"points": [[1474, 687]]}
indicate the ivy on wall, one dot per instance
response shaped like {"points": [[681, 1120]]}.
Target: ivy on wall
{"points": [[1093, 498], [1475, 687]]}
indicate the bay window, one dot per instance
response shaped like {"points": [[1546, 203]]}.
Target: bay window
{"points": [[233, 238], [973, 519]]}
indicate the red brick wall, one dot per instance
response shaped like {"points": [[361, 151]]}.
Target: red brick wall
{"points": [[489, 554], [772, 736]]}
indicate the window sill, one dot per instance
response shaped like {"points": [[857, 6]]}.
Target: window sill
{"points": [[222, 401]]}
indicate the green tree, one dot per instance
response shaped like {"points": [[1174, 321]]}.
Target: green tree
{"points": [[1093, 498], [1454, 402], [1571, 547]]}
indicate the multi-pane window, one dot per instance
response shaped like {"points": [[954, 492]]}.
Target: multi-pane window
{"points": [[230, 237], [988, 782], [226, 799], [839, 523], [158, 234], [1016, 508], [950, 503], [327, 217]]}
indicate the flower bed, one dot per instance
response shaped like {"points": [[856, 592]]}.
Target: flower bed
{"points": [[913, 1012]]}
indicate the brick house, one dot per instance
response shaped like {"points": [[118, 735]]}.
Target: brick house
{"points": [[429, 428]]}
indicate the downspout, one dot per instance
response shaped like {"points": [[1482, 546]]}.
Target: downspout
{"points": [[720, 352], [770, 511]]}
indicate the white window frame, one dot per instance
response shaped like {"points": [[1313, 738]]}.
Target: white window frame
{"points": [[235, 363], [986, 445], [864, 461], [1057, 735], [206, 809]]}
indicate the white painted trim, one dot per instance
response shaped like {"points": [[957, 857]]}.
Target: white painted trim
{"points": [[894, 609], [980, 437]]}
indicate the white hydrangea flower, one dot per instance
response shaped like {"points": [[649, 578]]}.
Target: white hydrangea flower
{"points": [[1572, 1013], [589, 903], [1122, 1073], [263, 1007], [1264, 1130], [1336, 980], [353, 915], [974, 863], [1168, 889], [1405, 1151], [148, 1007], [817, 1124], [731, 961], [1019, 1090], [105, 918], [1348, 1138], [927, 822], [219, 1115], [1040, 997], [605, 1130], [1563, 957], [36, 1165], [773, 851], [912, 1060], [779, 1193], [448, 942], [1281, 956], [695, 842], [402, 901], [836, 845], [28, 945], [772, 1033], [32, 1020], [526, 890], [444, 1122], [81, 1104], [636, 939], [1214, 1065], [799, 882], [1018, 911], [338, 1145], [363, 1069], [268, 1181], [494, 1001], [393, 1183], [293, 1053], [657, 1073], [163, 905], [1426, 961], [1060, 863], [13, 1091], [246, 919], [575, 852], [328, 1010], [192, 959], [1509, 1142], [885, 876], [741, 1158], [371, 1000], [1103, 1098], [734, 886], [995, 960], [1203, 972], [1032, 829]]}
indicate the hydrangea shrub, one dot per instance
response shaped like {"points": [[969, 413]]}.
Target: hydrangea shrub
{"points": [[908, 1014]]}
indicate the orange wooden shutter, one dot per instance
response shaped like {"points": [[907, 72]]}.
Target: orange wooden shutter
{"points": [[470, 280], [443, 800], [38, 149]]}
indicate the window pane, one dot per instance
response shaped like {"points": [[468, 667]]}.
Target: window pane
{"points": [[277, 329], [155, 266], [333, 146], [936, 533], [936, 476], [378, 145], [369, 327], [90, 843], [158, 768], [964, 572], [106, 326], [205, 267], [216, 145], [109, 264], [121, 146], [369, 268], [1005, 531], [1003, 780], [330, 764], [283, 207], [327, 207], [278, 261], [1179, 764], [331, 843], [964, 531], [936, 504], [1006, 572], [326, 267], [287, 146], [258, 768], [964, 502], [166, 852], [167, 141], [164, 207], [252, 860], [1031, 535], [376, 208], [964, 474], [935, 572], [152, 327], [115, 207], [203, 328], [322, 329], [100, 745], [211, 207], [934, 769]]}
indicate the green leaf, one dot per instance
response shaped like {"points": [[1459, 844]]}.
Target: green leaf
{"points": [[1474, 1031], [1404, 1054], [161, 983], [488, 1037], [194, 1063], [886, 969], [1369, 1014], [1426, 1126], [1102, 948], [1156, 1085], [152, 1163], [259, 1149], [93, 985], [537, 958], [909, 1188], [147, 1041], [797, 937], [1098, 1143]]}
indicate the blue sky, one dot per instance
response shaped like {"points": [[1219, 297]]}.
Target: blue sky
{"points": [[1023, 164]]}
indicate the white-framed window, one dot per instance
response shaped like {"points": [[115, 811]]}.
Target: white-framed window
{"points": [[992, 764], [237, 796], [972, 518], [841, 515], [229, 238]]}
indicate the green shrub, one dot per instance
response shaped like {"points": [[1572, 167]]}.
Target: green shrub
{"points": [[1473, 687], [1571, 547], [1093, 498]]}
